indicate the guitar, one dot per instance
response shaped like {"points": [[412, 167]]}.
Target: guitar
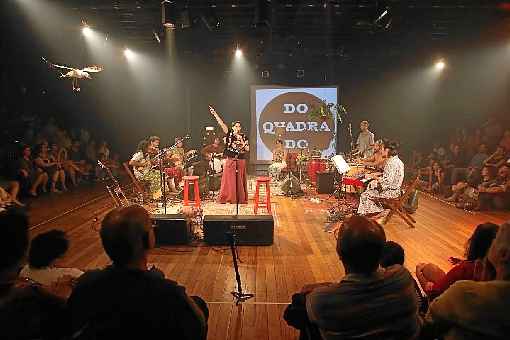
{"points": [[154, 161]]}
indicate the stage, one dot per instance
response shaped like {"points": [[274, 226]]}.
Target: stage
{"points": [[302, 253]]}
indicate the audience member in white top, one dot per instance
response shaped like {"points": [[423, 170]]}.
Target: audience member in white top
{"points": [[45, 249]]}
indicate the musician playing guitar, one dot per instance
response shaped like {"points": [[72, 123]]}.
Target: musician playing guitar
{"points": [[175, 165], [236, 149], [143, 167]]}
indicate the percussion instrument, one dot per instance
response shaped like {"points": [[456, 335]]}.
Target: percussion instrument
{"points": [[191, 157], [314, 166], [355, 170], [316, 154], [216, 165]]}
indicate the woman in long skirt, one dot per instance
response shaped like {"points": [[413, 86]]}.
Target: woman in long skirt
{"points": [[236, 149]]}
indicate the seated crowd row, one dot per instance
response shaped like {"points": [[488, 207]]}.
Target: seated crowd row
{"points": [[54, 168], [376, 299], [473, 172]]}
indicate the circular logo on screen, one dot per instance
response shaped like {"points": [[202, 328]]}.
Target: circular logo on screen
{"points": [[286, 118]]}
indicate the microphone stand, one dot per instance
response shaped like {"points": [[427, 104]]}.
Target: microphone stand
{"points": [[237, 178], [239, 295]]}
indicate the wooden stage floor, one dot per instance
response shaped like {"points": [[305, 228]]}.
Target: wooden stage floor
{"points": [[302, 253]]}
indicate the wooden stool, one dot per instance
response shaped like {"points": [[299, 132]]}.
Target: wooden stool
{"points": [[267, 204], [193, 180]]}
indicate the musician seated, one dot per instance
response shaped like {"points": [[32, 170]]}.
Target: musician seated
{"points": [[143, 169], [213, 150], [386, 186], [279, 156], [377, 160]]}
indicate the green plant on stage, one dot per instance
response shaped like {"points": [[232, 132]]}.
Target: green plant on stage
{"points": [[324, 110]]}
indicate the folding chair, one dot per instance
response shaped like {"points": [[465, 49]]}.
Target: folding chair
{"points": [[396, 205], [136, 184]]}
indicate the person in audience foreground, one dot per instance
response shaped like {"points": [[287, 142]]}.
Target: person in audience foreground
{"points": [[128, 300], [369, 302], [435, 281], [45, 250], [27, 310], [476, 310], [393, 254]]}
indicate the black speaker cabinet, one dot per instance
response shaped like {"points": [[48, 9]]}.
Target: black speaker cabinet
{"points": [[249, 229], [325, 182], [171, 229]]}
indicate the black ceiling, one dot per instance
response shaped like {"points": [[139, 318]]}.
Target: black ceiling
{"points": [[344, 29], [278, 32]]}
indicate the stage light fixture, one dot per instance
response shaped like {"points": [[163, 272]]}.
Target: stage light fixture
{"points": [[128, 54], [440, 65], [86, 31], [265, 74], [300, 73], [239, 53]]}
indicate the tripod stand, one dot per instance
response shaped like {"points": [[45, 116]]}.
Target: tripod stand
{"points": [[239, 295]]}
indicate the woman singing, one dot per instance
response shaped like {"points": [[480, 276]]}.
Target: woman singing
{"points": [[236, 147]]}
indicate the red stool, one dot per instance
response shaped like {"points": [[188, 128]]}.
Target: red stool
{"points": [[193, 180], [267, 204]]}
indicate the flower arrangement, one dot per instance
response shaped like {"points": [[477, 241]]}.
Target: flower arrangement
{"points": [[324, 110]]}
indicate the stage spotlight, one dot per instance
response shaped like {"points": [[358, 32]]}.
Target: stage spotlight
{"points": [[239, 53], [128, 54], [87, 31], [440, 65], [300, 73]]}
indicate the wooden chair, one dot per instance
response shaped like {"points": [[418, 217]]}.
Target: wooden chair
{"points": [[396, 205], [136, 184]]}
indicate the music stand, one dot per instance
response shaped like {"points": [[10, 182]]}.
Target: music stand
{"points": [[342, 168]]}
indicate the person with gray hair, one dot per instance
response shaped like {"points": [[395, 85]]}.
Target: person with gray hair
{"points": [[476, 310], [127, 299], [370, 302]]}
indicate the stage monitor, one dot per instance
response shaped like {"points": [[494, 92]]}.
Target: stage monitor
{"points": [[284, 113]]}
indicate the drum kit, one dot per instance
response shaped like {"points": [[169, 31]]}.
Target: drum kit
{"points": [[311, 163]]}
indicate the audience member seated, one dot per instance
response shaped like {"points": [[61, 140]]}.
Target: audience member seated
{"points": [[496, 195], [48, 164], [455, 159], [128, 300], [77, 159], [370, 302], [393, 254], [434, 281], [476, 310], [91, 152], [497, 159], [10, 191], [467, 196], [436, 179], [27, 310], [473, 169], [31, 177], [104, 150], [505, 141], [45, 250]]}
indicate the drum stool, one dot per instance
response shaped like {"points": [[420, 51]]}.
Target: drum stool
{"points": [[264, 181], [191, 180]]}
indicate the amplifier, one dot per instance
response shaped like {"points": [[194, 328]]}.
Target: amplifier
{"points": [[249, 229], [171, 229], [325, 182]]}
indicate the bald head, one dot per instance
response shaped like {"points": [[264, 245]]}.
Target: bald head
{"points": [[360, 245], [499, 252], [126, 234]]}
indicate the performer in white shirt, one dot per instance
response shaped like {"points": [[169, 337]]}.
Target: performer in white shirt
{"points": [[386, 186], [365, 142]]}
